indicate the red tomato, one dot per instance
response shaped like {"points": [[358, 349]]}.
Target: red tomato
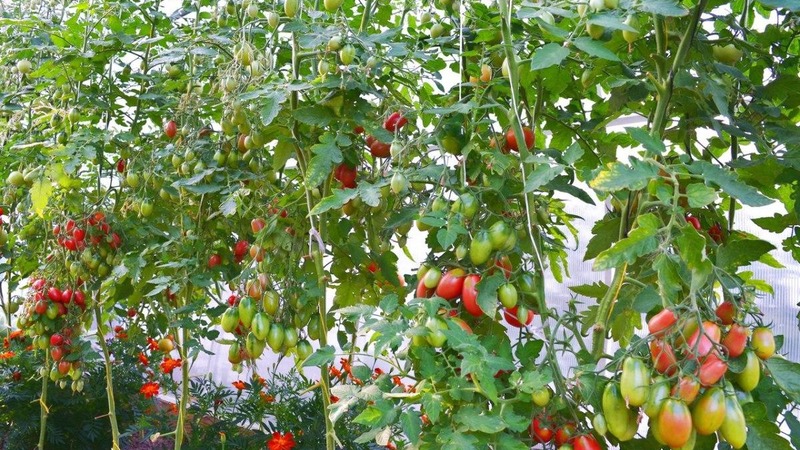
{"points": [[240, 249], [257, 224], [664, 359], [394, 122], [120, 168], [687, 389], [370, 139], [726, 312], [451, 284], [423, 291], [511, 139], [661, 321], [171, 129], [56, 340], [540, 432], [712, 370], [585, 442], [380, 149], [79, 234], [346, 175], [469, 295], [694, 221], [358, 129], [66, 296], [676, 421], [504, 264], [763, 342], [564, 434], [511, 314], [716, 233], [214, 260], [736, 340], [80, 298], [54, 294], [702, 341]]}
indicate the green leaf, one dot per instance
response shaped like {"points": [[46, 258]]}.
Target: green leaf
{"points": [[669, 278], [541, 175], [786, 375], [646, 300], [729, 182], [532, 381], [326, 155], [412, 425], [692, 248], [317, 115], [764, 435], [700, 195], [654, 146], [322, 356], [487, 292], [271, 106], [794, 429], [548, 55], [507, 442], [641, 241], [475, 419], [606, 232], [738, 253], [791, 5], [669, 8], [432, 404], [596, 290], [595, 48], [617, 176], [335, 201], [369, 417], [41, 191]]}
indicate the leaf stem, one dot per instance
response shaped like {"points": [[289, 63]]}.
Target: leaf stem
{"points": [[112, 410]]}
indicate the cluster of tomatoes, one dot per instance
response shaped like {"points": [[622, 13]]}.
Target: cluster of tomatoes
{"points": [[52, 317], [690, 395], [714, 231], [544, 430]]}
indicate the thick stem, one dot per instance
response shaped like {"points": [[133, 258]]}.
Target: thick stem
{"points": [[112, 410], [179, 428], [43, 411], [365, 18]]}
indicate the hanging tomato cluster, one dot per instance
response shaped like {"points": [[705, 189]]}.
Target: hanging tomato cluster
{"points": [[690, 394], [96, 241]]}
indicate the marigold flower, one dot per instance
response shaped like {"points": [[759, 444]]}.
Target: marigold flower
{"points": [[336, 373], [346, 366], [239, 384], [280, 441], [16, 334], [378, 372], [143, 359], [150, 389], [152, 344], [169, 364], [397, 380], [266, 398], [7, 355]]}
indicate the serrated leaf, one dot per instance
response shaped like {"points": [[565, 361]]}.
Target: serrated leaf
{"points": [[605, 232], [764, 435], [541, 175], [322, 356], [271, 106], [432, 404], [474, 419], [369, 417], [326, 156], [41, 191], [668, 8], [548, 55], [646, 300], [786, 375], [336, 200], [412, 425], [595, 48], [692, 248], [617, 176], [487, 292], [317, 115], [641, 241], [737, 253], [700, 195], [669, 278], [729, 182], [654, 146], [596, 290]]}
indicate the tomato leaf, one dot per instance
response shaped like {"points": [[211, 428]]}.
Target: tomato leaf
{"points": [[507, 442], [487, 293], [617, 176], [41, 191], [668, 8], [541, 175], [729, 182], [764, 435], [641, 241], [533, 380], [786, 375], [326, 155], [317, 115], [271, 106], [741, 252], [692, 248], [669, 277], [596, 290], [700, 195], [336, 200], [654, 146], [324, 355], [606, 232], [412, 424], [595, 48], [548, 55], [371, 416], [432, 404]]}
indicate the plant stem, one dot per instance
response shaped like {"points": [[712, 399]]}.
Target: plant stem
{"points": [[365, 18], [179, 428], [112, 410], [43, 410]]}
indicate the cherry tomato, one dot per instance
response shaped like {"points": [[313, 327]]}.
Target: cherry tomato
{"points": [[451, 284], [230, 319], [540, 431], [500, 233], [504, 263], [480, 249], [712, 370], [620, 419], [511, 139], [54, 294], [763, 342], [694, 221], [380, 149], [733, 428], [394, 122], [664, 359], [469, 295], [564, 434], [659, 392], [271, 302], [736, 340], [171, 129], [676, 423], [120, 168], [702, 341], [541, 397], [709, 411], [658, 324], [432, 277], [508, 295], [346, 175], [726, 312], [275, 337], [635, 381], [214, 260], [585, 442], [56, 340], [749, 377], [687, 389], [512, 316], [423, 291]]}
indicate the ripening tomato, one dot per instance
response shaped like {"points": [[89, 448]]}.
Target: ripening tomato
{"points": [[659, 323], [749, 377], [512, 316], [380, 149], [712, 370], [171, 129], [676, 421], [620, 420], [709, 411], [585, 442], [541, 397], [511, 139], [733, 428], [214, 260], [702, 341], [687, 389], [230, 319], [726, 312], [394, 122], [736, 340], [431, 277], [451, 284], [664, 359], [56, 340], [469, 295], [564, 434], [694, 221], [257, 224], [271, 302], [635, 381], [346, 175], [763, 342], [275, 337], [247, 309], [541, 432], [504, 264], [423, 291], [659, 392]]}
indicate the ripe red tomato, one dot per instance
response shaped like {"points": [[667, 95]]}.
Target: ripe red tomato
{"points": [[469, 295], [694, 221], [585, 442], [80, 298], [659, 323], [712, 370], [79, 234], [763, 342], [171, 129], [423, 291], [451, 284], [214, 260], [503, 263], [540, 432], [664, 359], [120, 168], [564, 434], [57, 353], [380, 149], [358, 129], [726, 312], [240, 249], [66, 296], [346, 175], [511, 314], [511, 139], [54, 294], [702, 341], [56, 340], [394, 122], [736, 340], [715, 232], [676, 421]]}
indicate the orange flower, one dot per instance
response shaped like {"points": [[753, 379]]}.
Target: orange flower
{"points": [[6, 355], [169, 364], [346, 366], [16, 334], [397, 380], [336, 373], [266, 398], [239, 384], [281, 441], [150, 389], [143, 359], [152, 344], [378, 372], [173, 408], [259, 380]]}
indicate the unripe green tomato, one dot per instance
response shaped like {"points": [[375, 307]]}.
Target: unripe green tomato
{"points": [[611, 4], [436, 30], [399, 183], [425, 18], [334, 43], [599, 424], [631, 36], [347, 54], [541, 397], [332, 5], [290, 8], [323, 67], [230, 7], [273, 19], [24, 66], [252, 11], [508, 296], [728, 54], [595, 31], [597, 5]]}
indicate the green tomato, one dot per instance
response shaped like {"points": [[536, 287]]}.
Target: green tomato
{"points": [[290, 8], [635, 381], [332, 5], [499, 234], [271, 302], [480, 249], [254, 346], [541, 397], [432, 277], [260, 326], [347, 54], [275, 337], [508, 295], [230, 319]]}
